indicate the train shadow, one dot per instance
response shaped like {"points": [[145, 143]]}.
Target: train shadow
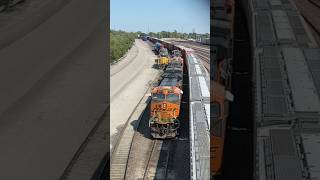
{"points": [[155, 66], [141, 125]]}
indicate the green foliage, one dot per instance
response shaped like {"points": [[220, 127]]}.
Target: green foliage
{"points": [[120, 43]]}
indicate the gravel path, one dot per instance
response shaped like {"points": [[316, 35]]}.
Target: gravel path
{"points": [[130, 84]]}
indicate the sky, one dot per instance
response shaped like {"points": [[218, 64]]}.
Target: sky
{"points": [[160, 15]]}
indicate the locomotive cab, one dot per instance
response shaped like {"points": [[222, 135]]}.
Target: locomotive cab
{"points": [[165, 111], [163, 59], [177, 53]]}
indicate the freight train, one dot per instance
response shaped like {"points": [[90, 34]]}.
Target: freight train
{"points": [[166, 100], [220, 75], [198, 97]]}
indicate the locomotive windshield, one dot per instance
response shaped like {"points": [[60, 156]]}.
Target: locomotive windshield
{"points": [[163, 52], [176, 53], [172, 97], [158, 97], [169, 97]]}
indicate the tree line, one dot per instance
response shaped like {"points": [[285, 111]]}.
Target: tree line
{"points": [[121, 41]]}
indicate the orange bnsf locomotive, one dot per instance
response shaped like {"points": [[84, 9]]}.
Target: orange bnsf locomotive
{"points": [[165, 101]]}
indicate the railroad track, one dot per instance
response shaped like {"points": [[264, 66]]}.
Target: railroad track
{"points": [[195, 43], [202, 53], [136, 154], [158, 168], [205, 59], [315, 3], [311, 25], [310, 11], [122, 149], [148, 158], [198, 48]]}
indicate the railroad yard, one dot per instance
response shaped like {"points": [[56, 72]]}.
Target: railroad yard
{"points": [[135, 153]]}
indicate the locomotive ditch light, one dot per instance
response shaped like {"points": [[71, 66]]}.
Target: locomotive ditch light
{"points": [[164, 105]]}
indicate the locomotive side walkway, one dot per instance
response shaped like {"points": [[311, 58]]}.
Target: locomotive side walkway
{"points": [[130, 79]]}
